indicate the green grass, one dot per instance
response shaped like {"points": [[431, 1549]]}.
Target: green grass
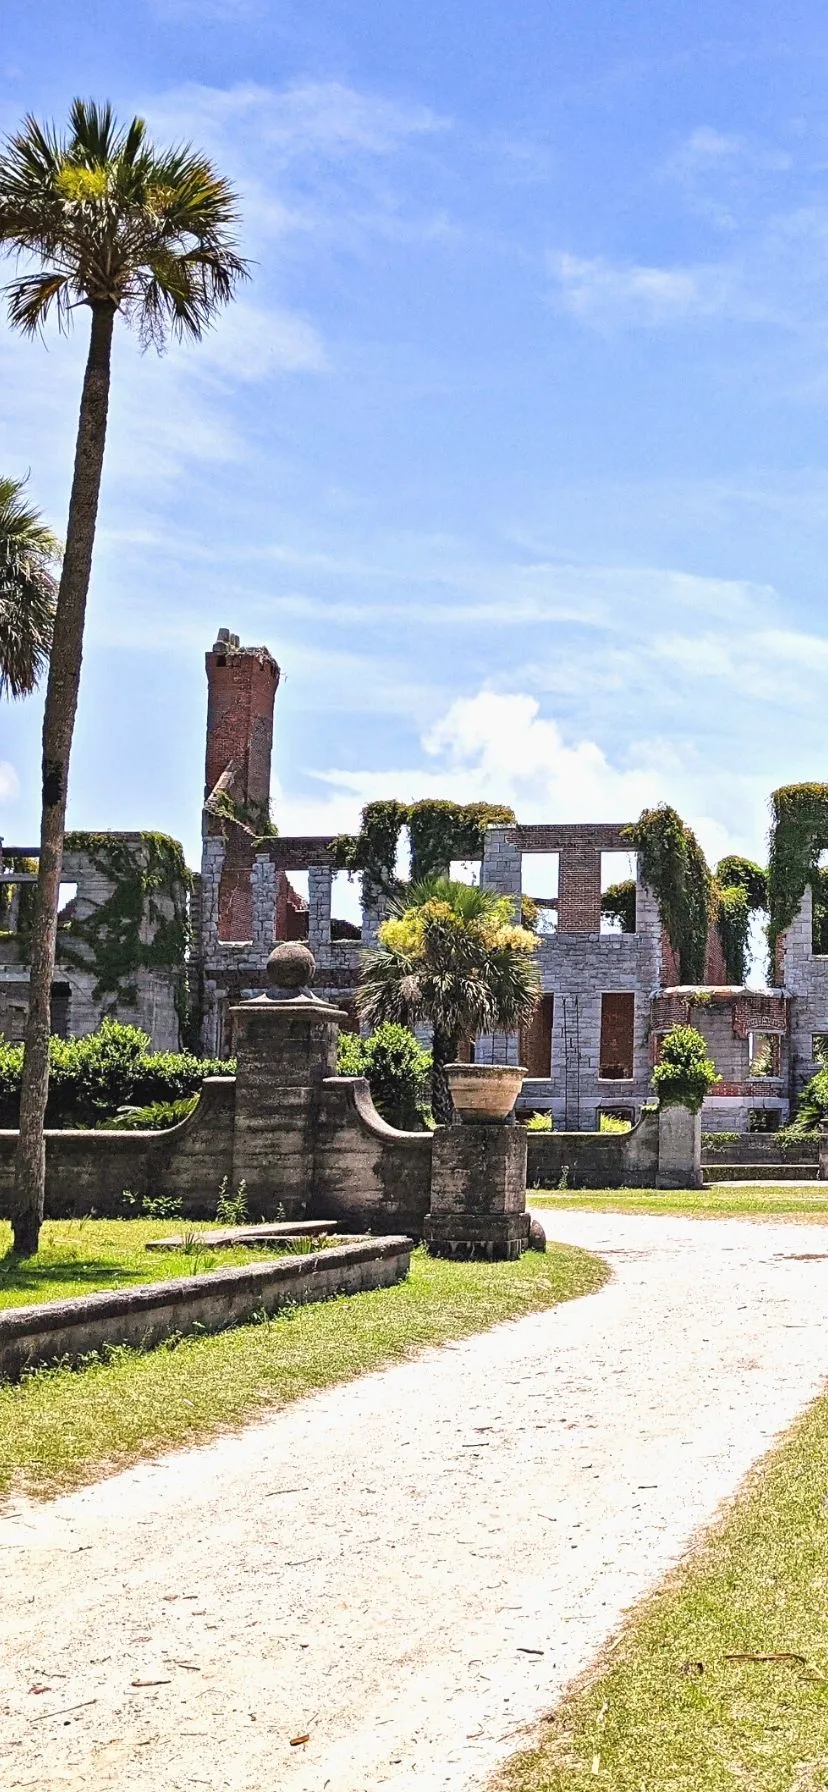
{"points": [[667, 1711], [82, 1256], [61, 1427], [762, 1200]]}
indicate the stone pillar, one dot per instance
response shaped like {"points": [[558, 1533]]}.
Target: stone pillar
{"points": [[285, 1046], [478, 1192], [263, 883], [320, 881], [679, 1148], [502, 865]]}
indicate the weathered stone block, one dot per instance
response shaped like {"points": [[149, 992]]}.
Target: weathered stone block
{"points": [[478, 1192]]}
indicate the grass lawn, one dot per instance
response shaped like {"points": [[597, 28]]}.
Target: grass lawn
{"points": [[670, 1709], [762, 1200], [81, 1256], [61, 1427]]}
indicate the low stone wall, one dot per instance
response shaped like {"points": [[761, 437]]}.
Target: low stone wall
{"points": [[595, 1159], [141, 1317], [87, 1171], [367, 1174]]}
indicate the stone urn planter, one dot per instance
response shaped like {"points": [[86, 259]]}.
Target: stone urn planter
{"points": [[484, 1093]]}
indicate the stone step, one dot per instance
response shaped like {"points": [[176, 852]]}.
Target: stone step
{"points": [[747, 1173], [250, 1235]]}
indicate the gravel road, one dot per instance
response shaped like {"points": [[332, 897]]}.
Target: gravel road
{"points": [[408, 1570]]}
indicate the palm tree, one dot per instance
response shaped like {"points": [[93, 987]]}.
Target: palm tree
{"points": [[452, 955], [28, 588], [99, 218]]}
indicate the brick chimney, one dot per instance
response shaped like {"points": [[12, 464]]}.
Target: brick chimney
{"points": [[241, 690]]}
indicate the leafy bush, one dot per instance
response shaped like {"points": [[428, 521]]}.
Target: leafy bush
{"points": [[156, 1117], [684, 1073], [812, 1108], [539, 1123], [613, 1123], [91, 1078], [398, 1070]]}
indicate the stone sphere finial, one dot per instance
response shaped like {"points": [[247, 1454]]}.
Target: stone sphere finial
{"points": [[291, 965]]}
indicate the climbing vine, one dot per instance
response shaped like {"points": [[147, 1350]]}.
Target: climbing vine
{"points": [[439, 831], [253, 817], [146, 873], [798, 834], [672, 863]]}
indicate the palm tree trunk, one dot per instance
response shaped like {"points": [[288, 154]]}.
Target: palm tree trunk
{"points": [[58, 728], [443, 1052]]}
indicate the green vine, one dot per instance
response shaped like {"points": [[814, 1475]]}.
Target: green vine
{"points": [[439, 831], [672, 863], [254, 817], [733, 912], [798, 834], [108, 942]]}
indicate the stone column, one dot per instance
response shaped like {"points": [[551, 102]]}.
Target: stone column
{"points": [[320, 881], [679, 1148], [478, 1192], [285, 1046]]}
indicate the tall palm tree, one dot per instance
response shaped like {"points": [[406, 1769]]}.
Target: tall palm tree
{"points": [[28, 588], [102, 219], [452, 955]]}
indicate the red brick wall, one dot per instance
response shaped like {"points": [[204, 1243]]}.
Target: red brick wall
{"points": [[579, 890], [241, 691]]}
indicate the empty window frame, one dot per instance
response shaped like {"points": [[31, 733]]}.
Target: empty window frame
{"points": [[346, 907], [618, 892], [291, 918], [763, 1051], [615, 1062], [536, 1039], [539, 886]]}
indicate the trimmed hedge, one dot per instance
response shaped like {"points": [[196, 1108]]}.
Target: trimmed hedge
{"points": [[91, 1078], [398, 1072]]}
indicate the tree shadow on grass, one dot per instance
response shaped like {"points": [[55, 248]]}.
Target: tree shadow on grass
{"points": [[38, 1275]]}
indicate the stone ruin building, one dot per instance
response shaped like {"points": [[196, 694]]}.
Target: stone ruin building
{"points": [[608, 995]]}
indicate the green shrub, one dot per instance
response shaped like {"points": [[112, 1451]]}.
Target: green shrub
{"points": [[91, 1078], [684, 1073], [398, 1070], [156, 1117], [613, 1123], [811, 1111], [539, 1123]]}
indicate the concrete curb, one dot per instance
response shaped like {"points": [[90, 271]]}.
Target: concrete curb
{"points": [[66, 1330]]}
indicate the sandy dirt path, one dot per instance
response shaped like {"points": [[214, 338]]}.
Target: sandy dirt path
{"points": [[409, 1569]]}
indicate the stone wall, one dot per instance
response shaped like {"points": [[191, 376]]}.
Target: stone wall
{"points": [[88, 1171], [595, 1159], [363, 1167], [804, 975]]}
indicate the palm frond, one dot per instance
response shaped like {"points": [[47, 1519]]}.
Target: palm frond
{"points": [[113, 221], [28, 591]]}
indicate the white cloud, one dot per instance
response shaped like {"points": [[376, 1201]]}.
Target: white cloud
{"points": [[250, 342], [9, 782], [602, 292]]}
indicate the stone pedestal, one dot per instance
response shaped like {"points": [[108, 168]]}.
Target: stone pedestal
{"points": [[478, 1192], [285, 1045], [679, 1148]]}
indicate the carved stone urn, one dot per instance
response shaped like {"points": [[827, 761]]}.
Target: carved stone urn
{"points": [[484, 1093]]}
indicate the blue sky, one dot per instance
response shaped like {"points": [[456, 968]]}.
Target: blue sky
{"points": [[514, 451]]}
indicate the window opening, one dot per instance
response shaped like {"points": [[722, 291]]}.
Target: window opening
{"points": [[617, 1036], [539, 887], [617, 898], [535, 1039]]}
